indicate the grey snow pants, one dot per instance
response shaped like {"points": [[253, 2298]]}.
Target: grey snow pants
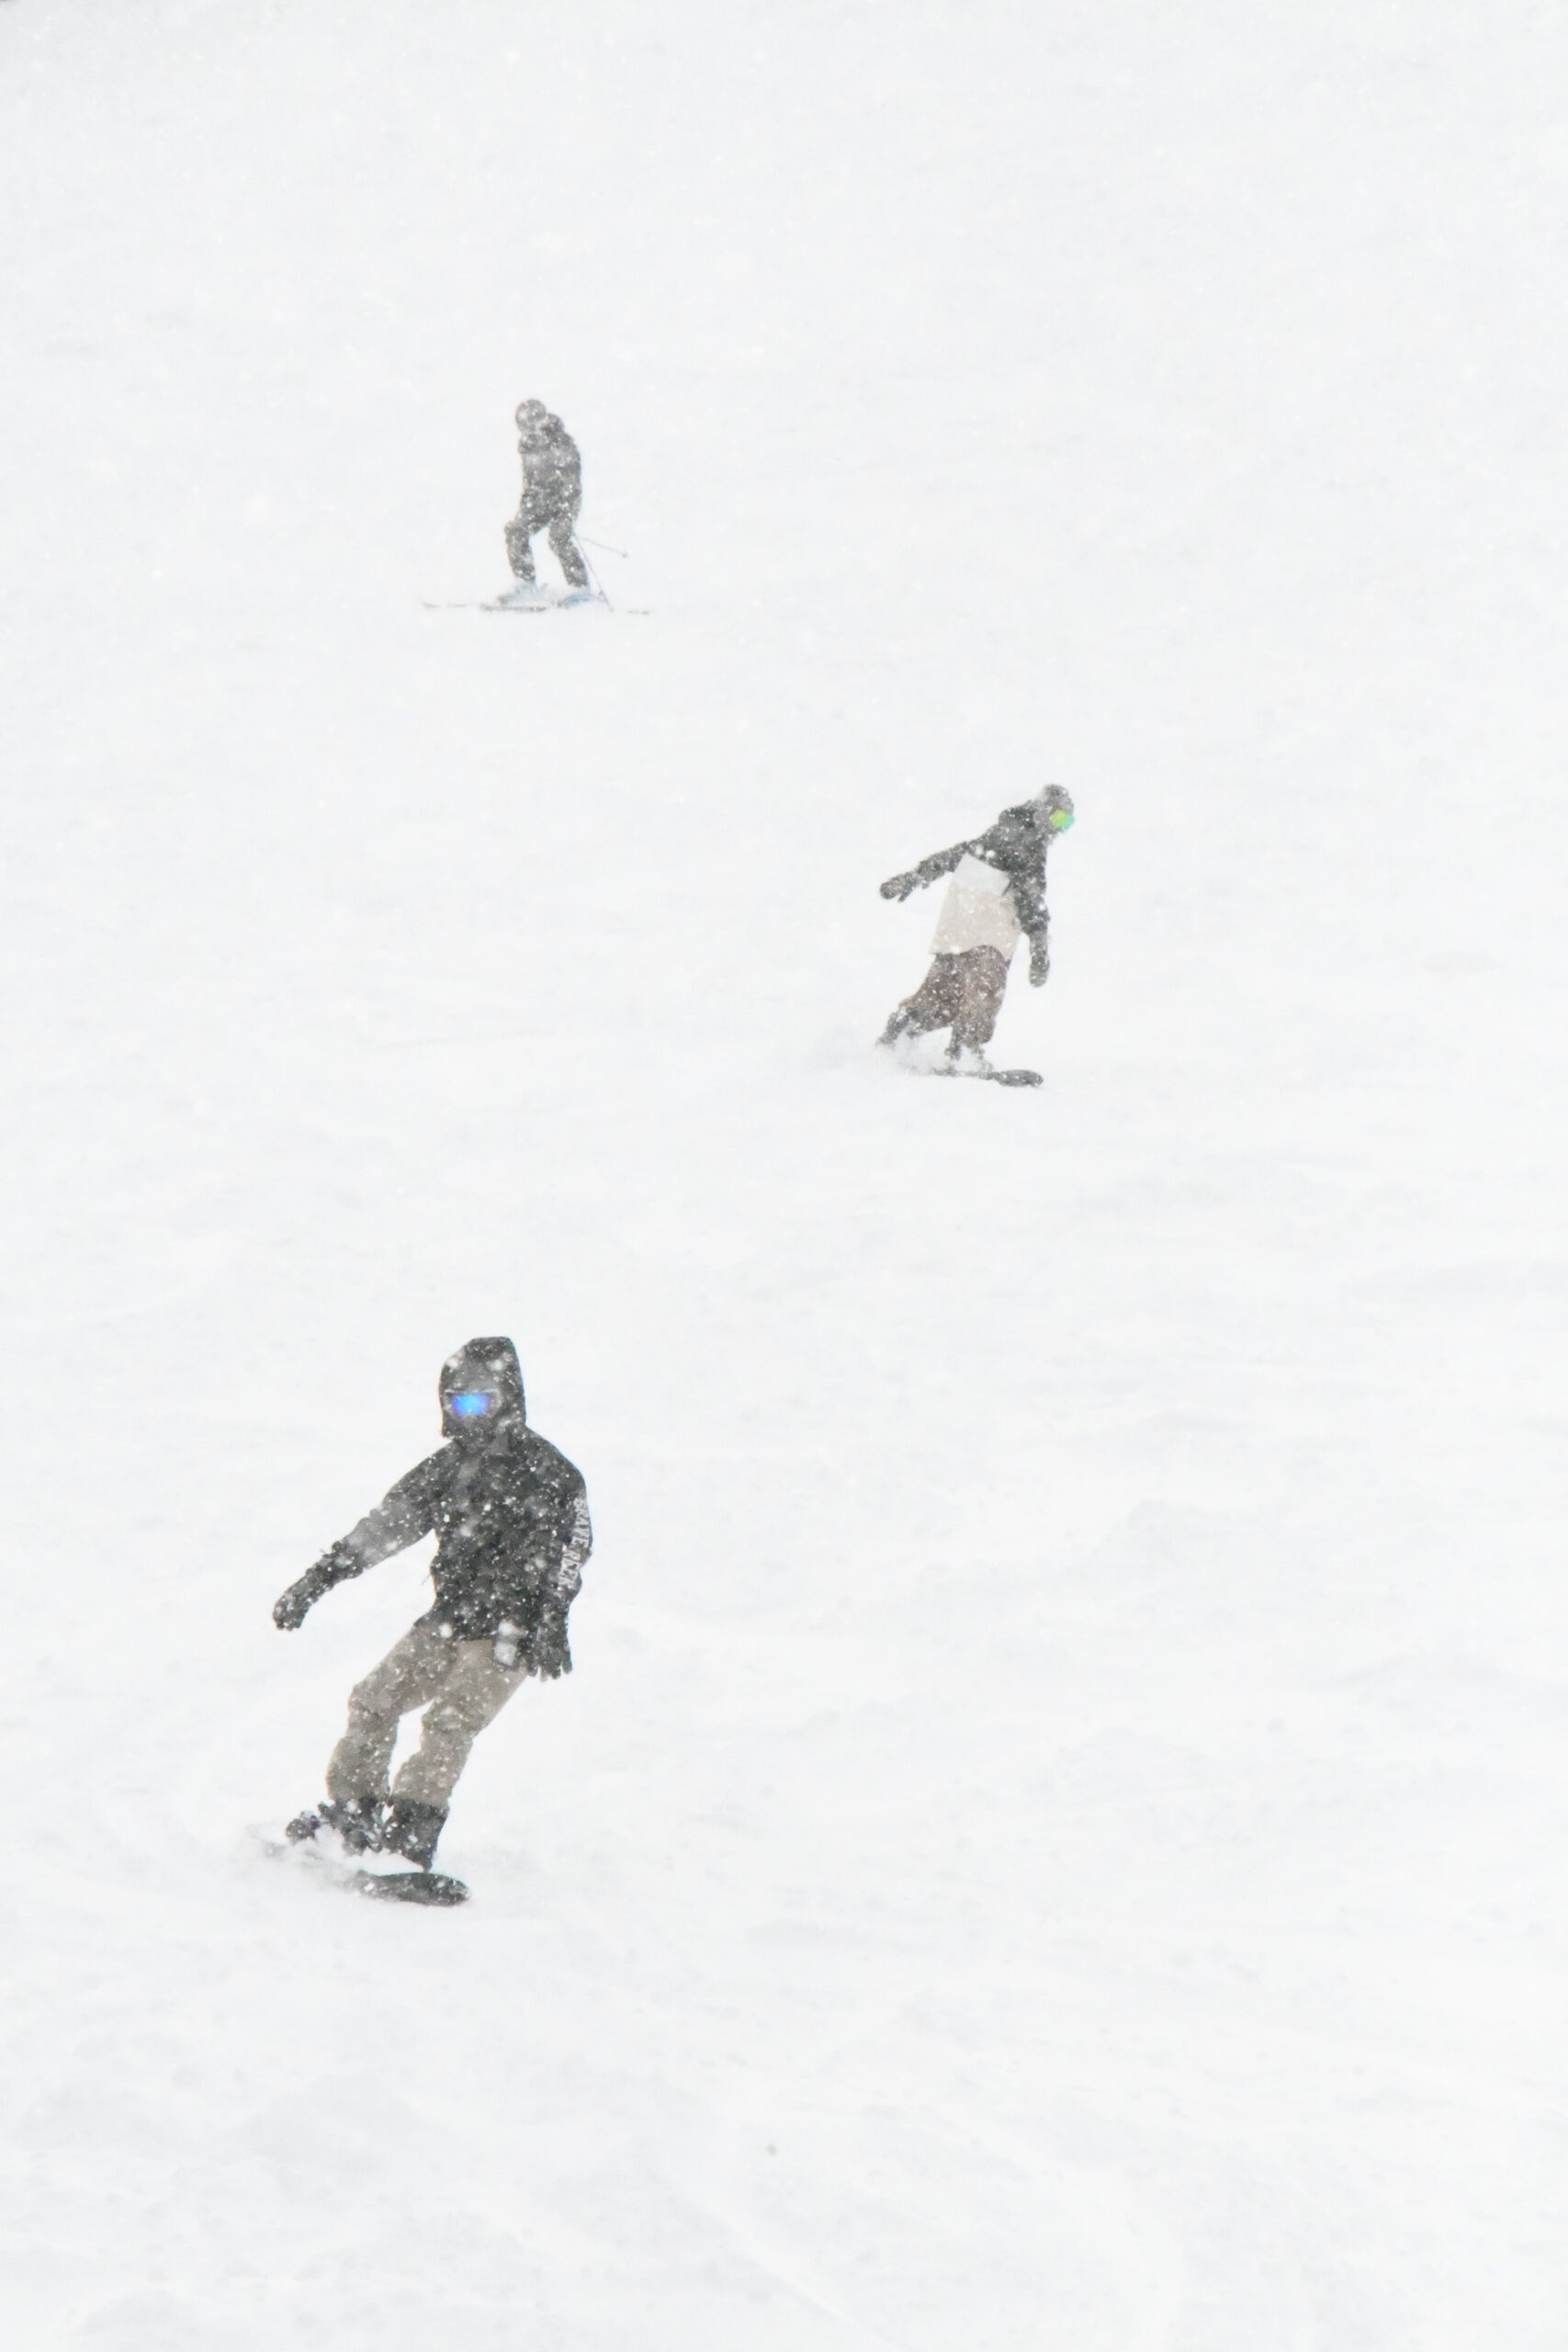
{"points": [[469, 1690], [525, 524], [966, 991]]}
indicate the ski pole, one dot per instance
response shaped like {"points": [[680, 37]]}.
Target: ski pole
{"points": [[603, 546], [598, 583]]}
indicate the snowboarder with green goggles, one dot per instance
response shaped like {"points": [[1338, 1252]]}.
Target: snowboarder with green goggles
{"points": [[996, 897]]}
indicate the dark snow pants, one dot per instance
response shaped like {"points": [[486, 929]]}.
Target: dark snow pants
{"points": [[965, 990], [529, 520], [469, 1690]]}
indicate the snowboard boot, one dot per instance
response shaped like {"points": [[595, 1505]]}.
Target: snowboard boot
{"points": [[967, 1061], [412, 1830], [897, 1025], [357, 1821]]}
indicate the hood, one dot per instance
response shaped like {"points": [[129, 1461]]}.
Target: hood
{"points": [[1037, 813], [482, 1363]]}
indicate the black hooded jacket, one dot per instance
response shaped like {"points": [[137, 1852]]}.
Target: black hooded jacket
{"points": [[511, 1514], [1016, 845], [552, 471]]}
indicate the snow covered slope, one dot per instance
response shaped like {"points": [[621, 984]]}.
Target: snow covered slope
{"points": [[1055, 1837]]}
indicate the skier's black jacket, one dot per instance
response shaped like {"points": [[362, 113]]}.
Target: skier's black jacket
{"points": [[552, 470], [511, 1513], [1016, 845]]}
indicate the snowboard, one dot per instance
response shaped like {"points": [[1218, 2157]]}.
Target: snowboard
{"points": [[409, 1886], [997, 1076], [433, 1887]]}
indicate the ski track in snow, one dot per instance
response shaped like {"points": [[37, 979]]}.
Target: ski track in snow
{"points": [[1053, 1837]]}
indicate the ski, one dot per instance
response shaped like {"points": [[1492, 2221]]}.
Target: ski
{"points": [[520, 604], [997, 1076]]}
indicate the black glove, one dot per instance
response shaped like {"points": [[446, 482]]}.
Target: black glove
{"points": [[546, 1652], [288, 1613], [1039, 963], [900, 885]]}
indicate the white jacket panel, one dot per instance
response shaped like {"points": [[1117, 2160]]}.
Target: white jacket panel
{"points": [[977, 911]]}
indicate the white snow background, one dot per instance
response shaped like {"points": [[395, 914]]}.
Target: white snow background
{"points": [[1054, 1839]]}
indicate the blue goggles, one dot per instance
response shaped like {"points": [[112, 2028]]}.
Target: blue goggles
{"points": [[471, 1404]]}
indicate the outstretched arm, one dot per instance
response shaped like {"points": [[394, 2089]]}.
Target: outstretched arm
{"points": [[930, 869], [399, 1519]]}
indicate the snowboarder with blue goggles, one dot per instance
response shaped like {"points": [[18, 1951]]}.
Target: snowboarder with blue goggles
{"points": [[511, 1514]]}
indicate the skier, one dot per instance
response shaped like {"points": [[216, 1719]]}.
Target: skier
{"points": [[552, 493], [997, 895], [512, 1516]]}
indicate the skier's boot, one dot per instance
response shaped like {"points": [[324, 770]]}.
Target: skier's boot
{"points": [[519, 553], [358, 1822], [414, 1830], [897, 1024], [967, 1061]]}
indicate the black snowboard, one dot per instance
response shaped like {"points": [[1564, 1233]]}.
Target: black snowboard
{"points": [[997, 1076], [381, 1887], [407, 1886]]}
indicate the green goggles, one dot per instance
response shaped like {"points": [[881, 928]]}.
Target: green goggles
{"points": [[1059, 819]]}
